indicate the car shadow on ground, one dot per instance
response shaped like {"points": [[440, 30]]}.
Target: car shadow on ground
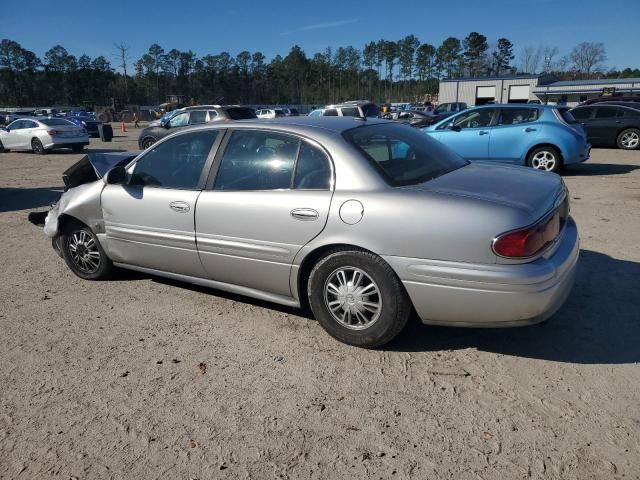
{"points": [[599, 323], [12, 199], [594, 169]]}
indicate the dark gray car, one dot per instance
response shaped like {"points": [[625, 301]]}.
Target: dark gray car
{"points": [[189, 116]]}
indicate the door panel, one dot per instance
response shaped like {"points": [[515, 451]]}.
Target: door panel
{"points": [[514, 133], [13, 138], [143, 229], [469, 143], [251, 238]]}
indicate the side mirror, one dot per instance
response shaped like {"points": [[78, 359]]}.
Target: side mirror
{"points": [[116, 176], [165, 124]]}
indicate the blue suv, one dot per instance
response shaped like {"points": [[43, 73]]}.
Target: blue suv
{"points": [[544, 137]]}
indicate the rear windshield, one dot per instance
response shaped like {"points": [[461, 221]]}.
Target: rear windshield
{"points": [[240, 113], [567, 116], [370, 110], [403, 156], [55, 122]]}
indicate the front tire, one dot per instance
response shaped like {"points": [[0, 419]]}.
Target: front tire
{"points": [[83, 253], [545, 158], [2, 149], [37, 147], [629, 139], [77, 148], [358, 299], [148, 142]]}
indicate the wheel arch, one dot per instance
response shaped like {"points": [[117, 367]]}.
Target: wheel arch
{"points": [[544, 144]]}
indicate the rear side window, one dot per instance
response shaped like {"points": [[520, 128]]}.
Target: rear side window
{"points": [[370, 110], [313, 171], [56, 122], [577, 114], [240, 113], [515, 116], [475, 119], [197, 117], [176, 163], [350, 112], [332, 112], [255, 160]]}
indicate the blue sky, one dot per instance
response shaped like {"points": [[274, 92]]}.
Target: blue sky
{"points": [[273, 26]]}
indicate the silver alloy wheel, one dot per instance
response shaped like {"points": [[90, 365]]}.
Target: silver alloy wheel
{"points": [[36, 146], [544, 160], [630, 140], [84, 252], [353, 298], [148, 142]]}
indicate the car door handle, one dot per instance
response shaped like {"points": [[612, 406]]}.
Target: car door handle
{"points": [[483, 132], [529, 129], [180, 207], [304, 214]]}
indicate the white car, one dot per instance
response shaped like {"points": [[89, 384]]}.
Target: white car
{"points": [[270, 113], [42, 135]]}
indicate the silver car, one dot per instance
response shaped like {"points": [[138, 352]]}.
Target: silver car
{"points": [[42, 135], [363, 220]]}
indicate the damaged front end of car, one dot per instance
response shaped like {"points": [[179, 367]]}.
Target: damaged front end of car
{"points": [[80, 201]]}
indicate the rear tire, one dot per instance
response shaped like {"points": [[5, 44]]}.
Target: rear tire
{"points": [[629, 139], [37, 147], [358, 298], [83, 253], [545, 158]]}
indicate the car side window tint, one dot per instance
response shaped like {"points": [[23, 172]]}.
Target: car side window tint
{"points": [[514, 116], [604, 112], [350, 112], [581, 113], [176, 163], [313, 171], [475, 119], [257, 160], [197, 117], [212, 115], [17, 125], [331, 113], [180, 120]]}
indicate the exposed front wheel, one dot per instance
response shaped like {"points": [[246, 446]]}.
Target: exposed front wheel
{"points": [[629, 139], [358, 299], [147, 142], [545, 158], [37, 147], [84, 255]]}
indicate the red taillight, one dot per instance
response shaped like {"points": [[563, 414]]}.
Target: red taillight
{"points": [[528, 241], [53, 132]]}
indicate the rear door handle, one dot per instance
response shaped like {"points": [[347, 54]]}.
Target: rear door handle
{"points": [[483, 132], [529, 129], [179, 206], [304, 214]]}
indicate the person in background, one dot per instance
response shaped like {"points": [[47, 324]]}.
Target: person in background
{"points": [[135, 119]]}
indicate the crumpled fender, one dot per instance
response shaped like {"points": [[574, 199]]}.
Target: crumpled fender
{"points": [[81, 203]]}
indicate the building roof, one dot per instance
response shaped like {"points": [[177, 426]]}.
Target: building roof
{"points": [[504, 77], [601, 81]]}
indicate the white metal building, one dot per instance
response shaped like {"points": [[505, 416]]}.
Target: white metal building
{"points": [[532, 88], [479, 91], [573, 92]]}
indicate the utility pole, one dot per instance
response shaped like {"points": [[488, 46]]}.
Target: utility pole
{"points": [[123, 56]]}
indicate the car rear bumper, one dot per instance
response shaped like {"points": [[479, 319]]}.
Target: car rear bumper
{"points": [[579, 156], [469, 295], [53, 143]]}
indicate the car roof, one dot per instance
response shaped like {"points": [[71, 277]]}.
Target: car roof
{"points": [[352, 103], [516, 105], [300, 124]]}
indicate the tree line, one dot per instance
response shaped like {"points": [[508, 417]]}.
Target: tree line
{"points": [[383, 70]]}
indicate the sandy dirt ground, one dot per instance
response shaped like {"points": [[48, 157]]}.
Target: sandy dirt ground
{"points": [[144, 378]]}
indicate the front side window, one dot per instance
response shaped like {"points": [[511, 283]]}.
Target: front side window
{"points": [[240, 113], [257, 160], [604, 112], [332, 112], [313, 171], [176, 163], [56, 122], [180, 120], [16, 125], [197, 117], [403, 156], [475, 119], [515, 116]]}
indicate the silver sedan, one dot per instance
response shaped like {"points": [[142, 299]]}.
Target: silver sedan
{"points": [[365, 221], [42, 135]]}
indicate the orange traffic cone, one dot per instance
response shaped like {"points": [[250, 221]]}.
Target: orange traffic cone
{"points": [[124, 127]]}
